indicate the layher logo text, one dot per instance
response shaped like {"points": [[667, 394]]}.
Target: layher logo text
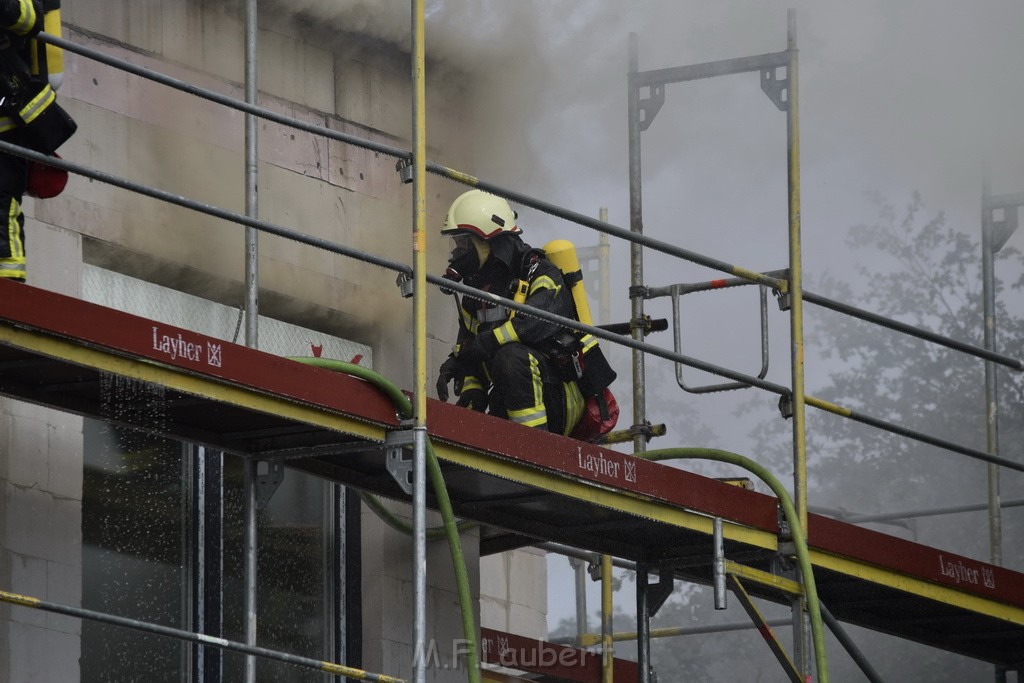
{"points": [[177, 346]]}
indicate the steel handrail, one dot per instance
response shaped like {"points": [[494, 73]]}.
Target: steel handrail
{"points": [[199, 638], [771, 279], [406, 155], [677, 339], [440, 282]]}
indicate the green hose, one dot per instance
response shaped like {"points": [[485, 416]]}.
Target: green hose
{"points": [[403, 527], [799, 540], [451, 530]]}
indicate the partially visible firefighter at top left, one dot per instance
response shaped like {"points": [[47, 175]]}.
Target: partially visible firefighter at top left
{"points": [[30, 73]]}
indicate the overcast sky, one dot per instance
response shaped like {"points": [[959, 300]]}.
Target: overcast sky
{"points": [[894, 97]]}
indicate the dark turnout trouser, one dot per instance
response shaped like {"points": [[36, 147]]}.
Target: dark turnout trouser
{"points": [[48, 128], [527, 390], [13, 179]]}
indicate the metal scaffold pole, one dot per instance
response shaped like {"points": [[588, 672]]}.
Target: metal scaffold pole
{"points": [[796, 278], [249, 568], [995, 523], [252, 306], [604, 278], [607, 626], [206, 474], [251, 330], [420, 336], [636, 225], [643, 625], [800, 632], [580, 575]]}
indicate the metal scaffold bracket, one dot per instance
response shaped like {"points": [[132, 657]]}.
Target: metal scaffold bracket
{"points": [[785, 300], [269, 475], [405, 170], [647, 429], [1003, 227], [660, 592], [785, 533], [645, 324], [776, 88], [406, 284], [651, 105], [398, 457], [786, 405]]}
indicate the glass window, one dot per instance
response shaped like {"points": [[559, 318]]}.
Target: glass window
{"points": [[137, 513], [291, 600], [132, 539]]}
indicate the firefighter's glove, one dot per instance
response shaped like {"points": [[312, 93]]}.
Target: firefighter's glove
{"points": [[474, 399], [478, 350], [450, 370]]}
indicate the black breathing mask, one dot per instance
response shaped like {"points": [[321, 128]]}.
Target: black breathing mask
{"points": [[464, 260]]}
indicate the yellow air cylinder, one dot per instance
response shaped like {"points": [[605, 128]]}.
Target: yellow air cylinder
{"points": [[54, 55], [562, 253]]}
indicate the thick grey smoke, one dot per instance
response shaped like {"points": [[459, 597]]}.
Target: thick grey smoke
{"points": [[912, 94], [894, 97], [468, 33]]}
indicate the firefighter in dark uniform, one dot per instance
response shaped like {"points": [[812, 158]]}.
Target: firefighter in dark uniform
{"points": [[504, 362], [30, 71]]}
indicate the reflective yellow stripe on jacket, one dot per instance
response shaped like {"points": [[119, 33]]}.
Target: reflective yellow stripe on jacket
{"points": [[470, 382], [543, 282], [468, 321], [37, 104], [506, 333], [26, 19]]}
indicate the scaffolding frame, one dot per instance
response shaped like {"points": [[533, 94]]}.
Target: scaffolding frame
{"points": [[782, 91]]}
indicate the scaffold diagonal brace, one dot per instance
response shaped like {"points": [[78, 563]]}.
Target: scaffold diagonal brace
{"points": [[764, 629]]}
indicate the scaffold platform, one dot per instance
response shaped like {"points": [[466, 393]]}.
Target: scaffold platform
{"points": [[67, 354]]}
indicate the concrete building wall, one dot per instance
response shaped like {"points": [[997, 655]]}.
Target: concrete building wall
{"points": [[513, 592], [147, 133], [41, 503], [151, 134]]}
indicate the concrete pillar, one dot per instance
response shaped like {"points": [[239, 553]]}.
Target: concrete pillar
{"points": [[388, 599], [514, 592], [41, 500]]}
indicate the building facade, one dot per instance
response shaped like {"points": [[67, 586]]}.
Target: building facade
{"points": [[95, 515]]}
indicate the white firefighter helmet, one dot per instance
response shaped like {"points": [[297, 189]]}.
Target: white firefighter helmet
{"points": [[481, 214]]}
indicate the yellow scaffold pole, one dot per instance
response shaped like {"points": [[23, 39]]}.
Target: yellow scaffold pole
{"points": [[419, 245]]}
